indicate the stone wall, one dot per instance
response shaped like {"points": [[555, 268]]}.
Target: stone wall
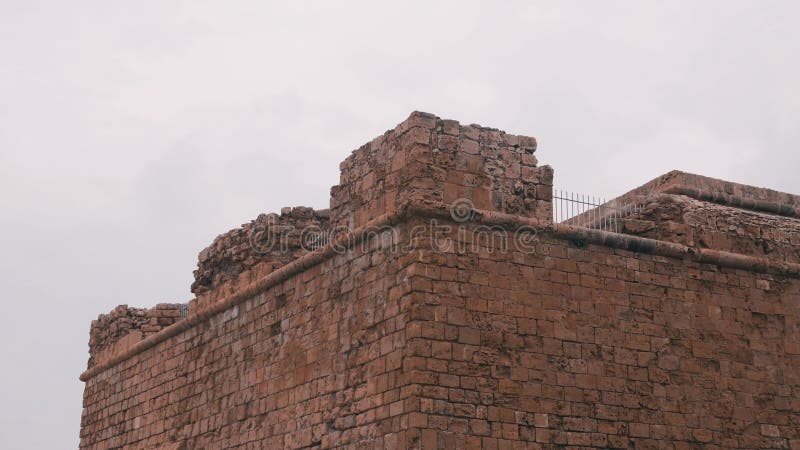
{"points": [[578, 346], [314, 361], [409, 329]]}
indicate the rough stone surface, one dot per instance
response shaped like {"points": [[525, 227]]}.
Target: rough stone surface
{"points": [[128, 325], [427, 160], [455, 339], [678, 218], [274, 239], [698, 211]]}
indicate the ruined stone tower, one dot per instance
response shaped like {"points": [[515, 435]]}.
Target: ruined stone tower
{"points": [[437, 304]]}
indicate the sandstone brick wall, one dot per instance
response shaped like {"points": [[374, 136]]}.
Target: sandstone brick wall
{"points": [[312, 362], [425, 332], [603, 348]]}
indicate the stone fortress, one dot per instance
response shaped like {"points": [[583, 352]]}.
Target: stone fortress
{"points": [[438, 304]]}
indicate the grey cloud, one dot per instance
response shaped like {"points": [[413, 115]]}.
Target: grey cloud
{"points": [[132, 134]]}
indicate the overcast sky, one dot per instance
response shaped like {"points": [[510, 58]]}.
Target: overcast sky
{"points": [[132, 133]]}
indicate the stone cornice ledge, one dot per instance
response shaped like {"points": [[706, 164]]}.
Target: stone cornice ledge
{"points": [[592, 236], [720, 198]]}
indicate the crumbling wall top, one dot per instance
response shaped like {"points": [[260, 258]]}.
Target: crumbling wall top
{"points": [[429, 160], [124, 326], [270, 239]]}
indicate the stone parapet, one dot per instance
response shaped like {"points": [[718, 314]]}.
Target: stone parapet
{"points": [[427, 160], [124, 326], [271, 240]]}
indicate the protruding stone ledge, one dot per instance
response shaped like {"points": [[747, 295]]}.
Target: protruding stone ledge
{"points": [[245, 292], [780, 209], [705, 213], [722, 192], [572, 233]]}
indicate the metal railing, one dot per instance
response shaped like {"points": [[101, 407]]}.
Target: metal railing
{"points": [[591, 212]]}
